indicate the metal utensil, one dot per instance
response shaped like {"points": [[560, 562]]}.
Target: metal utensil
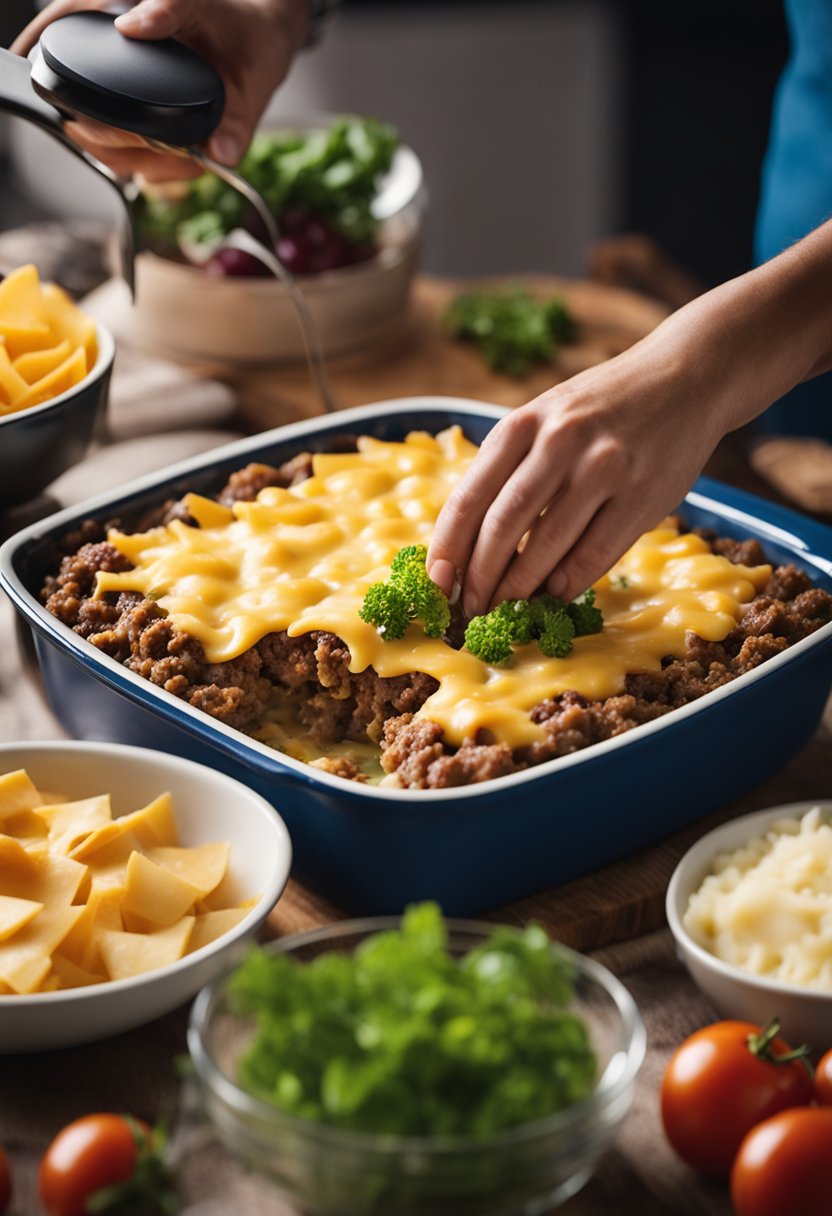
{"points": [[160, 90], [18, 97]]}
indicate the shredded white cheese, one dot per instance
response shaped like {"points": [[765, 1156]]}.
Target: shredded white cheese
{"points": [[767, 907]]}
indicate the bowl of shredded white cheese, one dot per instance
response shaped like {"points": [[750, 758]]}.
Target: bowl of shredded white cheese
{"points": [[750, 907]]}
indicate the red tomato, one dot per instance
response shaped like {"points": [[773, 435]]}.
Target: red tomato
{"points": [[720, 1083], [782, 1166], [823, 1080], [93, 1152], [5, 1181]]}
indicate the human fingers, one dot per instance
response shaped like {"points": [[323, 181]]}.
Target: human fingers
{"points": [[591, 482], [28, 36], [251, 47], [529, 490], [613, 530], [459, 520], [128, 156], [154, 19]]}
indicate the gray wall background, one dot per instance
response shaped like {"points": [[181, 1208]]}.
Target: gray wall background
{"points": [[511, 107]]}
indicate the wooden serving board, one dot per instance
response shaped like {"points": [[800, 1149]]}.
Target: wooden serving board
{"points": [[420, 359]]}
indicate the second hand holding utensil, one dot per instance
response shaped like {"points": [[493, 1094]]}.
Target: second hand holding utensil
{"points": [[160, 90]]}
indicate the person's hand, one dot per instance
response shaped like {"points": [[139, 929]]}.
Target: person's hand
{"points": [[249, 42], [583, 470], [564, 485]]}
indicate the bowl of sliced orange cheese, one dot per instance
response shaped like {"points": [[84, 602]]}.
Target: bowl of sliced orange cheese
{"points": [[128, 879], [55, 365]]}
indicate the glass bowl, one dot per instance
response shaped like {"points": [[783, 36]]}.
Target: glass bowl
{"points": [[328, 1171]]}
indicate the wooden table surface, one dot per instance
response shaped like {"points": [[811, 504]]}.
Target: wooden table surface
{"points": [[618, 909]]}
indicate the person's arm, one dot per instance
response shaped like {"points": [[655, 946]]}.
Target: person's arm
{"points": [[250, 43], [591, 464]]}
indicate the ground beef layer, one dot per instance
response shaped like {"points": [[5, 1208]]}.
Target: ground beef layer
{"points": [[337, 705]]}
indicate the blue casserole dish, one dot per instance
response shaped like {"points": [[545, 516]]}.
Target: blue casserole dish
{"points": [[373, 850]]}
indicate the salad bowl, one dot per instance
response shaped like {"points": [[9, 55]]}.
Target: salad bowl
{"points": [[192, 309], [328, 1170]]}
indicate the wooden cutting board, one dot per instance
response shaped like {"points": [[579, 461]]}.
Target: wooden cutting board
{"points": [[420, 358]]}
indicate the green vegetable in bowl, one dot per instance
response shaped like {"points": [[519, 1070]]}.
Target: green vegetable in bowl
{"points": [[320, 187], [401, 1037], [511, 329]]}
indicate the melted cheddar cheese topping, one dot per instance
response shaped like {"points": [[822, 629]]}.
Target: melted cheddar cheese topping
{"points": [[302, 558]]}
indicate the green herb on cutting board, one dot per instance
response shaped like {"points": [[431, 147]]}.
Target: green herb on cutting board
{"points": [[401, 1037], [511, 329]]}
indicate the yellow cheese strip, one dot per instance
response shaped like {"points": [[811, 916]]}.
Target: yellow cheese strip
{"points": [[156, 894], [17, 793], [25, 959], [152, 824], [67, 923], [301, 559], [70, 822], [15, 913], [13, 385], [211, 925], [70, 975], [36, 364], [17, 866], [128, 954], [18, 338], [111, 873], [27, 827], [207, 512], [20, 298], [203, 866], [24, 324], [101, 911], [69, 373], [47, 879], [67, 321], [134, 923]]}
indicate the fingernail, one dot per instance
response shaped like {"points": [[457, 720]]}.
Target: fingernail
{"points": [[138, 18], [470, 606], [556, 583], [226, 149], [443, 573]]}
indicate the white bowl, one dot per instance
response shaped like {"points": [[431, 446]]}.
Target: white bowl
{"points": [[186, 314], [208, 806], [805, 1015]]}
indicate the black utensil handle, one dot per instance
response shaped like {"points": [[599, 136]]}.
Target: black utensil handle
{"points": [[18, 97]]}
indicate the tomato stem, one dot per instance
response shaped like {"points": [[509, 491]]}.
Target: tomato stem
{"points": [[761, 1046], [151, 1190]]}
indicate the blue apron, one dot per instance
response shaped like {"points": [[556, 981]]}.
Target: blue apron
{"points": [[797, 184]]}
